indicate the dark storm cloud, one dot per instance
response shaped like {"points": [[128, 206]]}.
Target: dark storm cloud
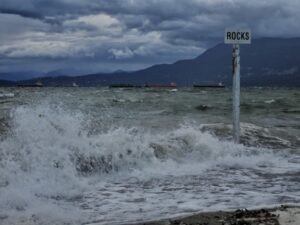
{"points": [[21, 13], [123, 32], [157, 15]]}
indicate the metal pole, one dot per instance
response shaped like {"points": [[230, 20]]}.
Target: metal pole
{"points": [[236, 92]]}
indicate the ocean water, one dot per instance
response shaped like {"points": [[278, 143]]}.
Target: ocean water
{"points": [[116, 156]]}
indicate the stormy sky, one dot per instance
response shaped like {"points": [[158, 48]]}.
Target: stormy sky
{"points": [[108, 35]]}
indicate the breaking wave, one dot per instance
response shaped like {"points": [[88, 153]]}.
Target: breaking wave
{"points": [[50, 153]]}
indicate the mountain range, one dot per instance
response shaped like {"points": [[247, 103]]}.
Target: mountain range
{"points": [[266, 62]]}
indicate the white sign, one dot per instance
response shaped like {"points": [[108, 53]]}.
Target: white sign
{"points": [[237, 36]]}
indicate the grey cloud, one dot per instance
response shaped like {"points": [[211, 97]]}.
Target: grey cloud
{"points": [[21, 13], [130, 33], [122, 53]]}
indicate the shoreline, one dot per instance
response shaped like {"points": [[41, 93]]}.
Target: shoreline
{"points": [[288, 214], [277, 215]]}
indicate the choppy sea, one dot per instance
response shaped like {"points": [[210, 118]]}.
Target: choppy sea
{"points": [[115, 156]]}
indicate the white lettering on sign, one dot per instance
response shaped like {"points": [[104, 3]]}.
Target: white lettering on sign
{"points": [[237, 36]]}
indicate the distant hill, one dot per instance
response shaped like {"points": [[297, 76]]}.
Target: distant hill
{"points": [[65, 72], [6, 83], [266, 62], [20, 75]]}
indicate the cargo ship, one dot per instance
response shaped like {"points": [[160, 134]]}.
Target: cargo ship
{"points": [[171, 85], [219, 85], [124, 86], [37, 84]]}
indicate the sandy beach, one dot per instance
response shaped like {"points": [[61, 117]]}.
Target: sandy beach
{"points": [[281, 215]]}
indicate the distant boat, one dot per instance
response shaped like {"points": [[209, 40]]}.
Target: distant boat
{"points": [[219, 85], [124, 86], [171, 85], [37, 84]]}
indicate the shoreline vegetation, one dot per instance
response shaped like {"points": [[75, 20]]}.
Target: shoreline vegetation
{"points": [[279, 215]]}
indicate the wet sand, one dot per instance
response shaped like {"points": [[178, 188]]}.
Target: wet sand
{"points": [[282, 215]]}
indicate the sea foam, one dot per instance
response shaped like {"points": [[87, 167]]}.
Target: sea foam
{"points": [[50, 161]]}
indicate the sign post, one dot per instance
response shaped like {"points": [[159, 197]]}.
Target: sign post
{"points": [[236, 37]]}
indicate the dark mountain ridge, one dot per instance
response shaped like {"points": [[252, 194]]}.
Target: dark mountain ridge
{"points": [[266, 62]]}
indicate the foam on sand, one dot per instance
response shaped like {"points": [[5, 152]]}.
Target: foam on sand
{"points": [[281, 215], [289, 215]]}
